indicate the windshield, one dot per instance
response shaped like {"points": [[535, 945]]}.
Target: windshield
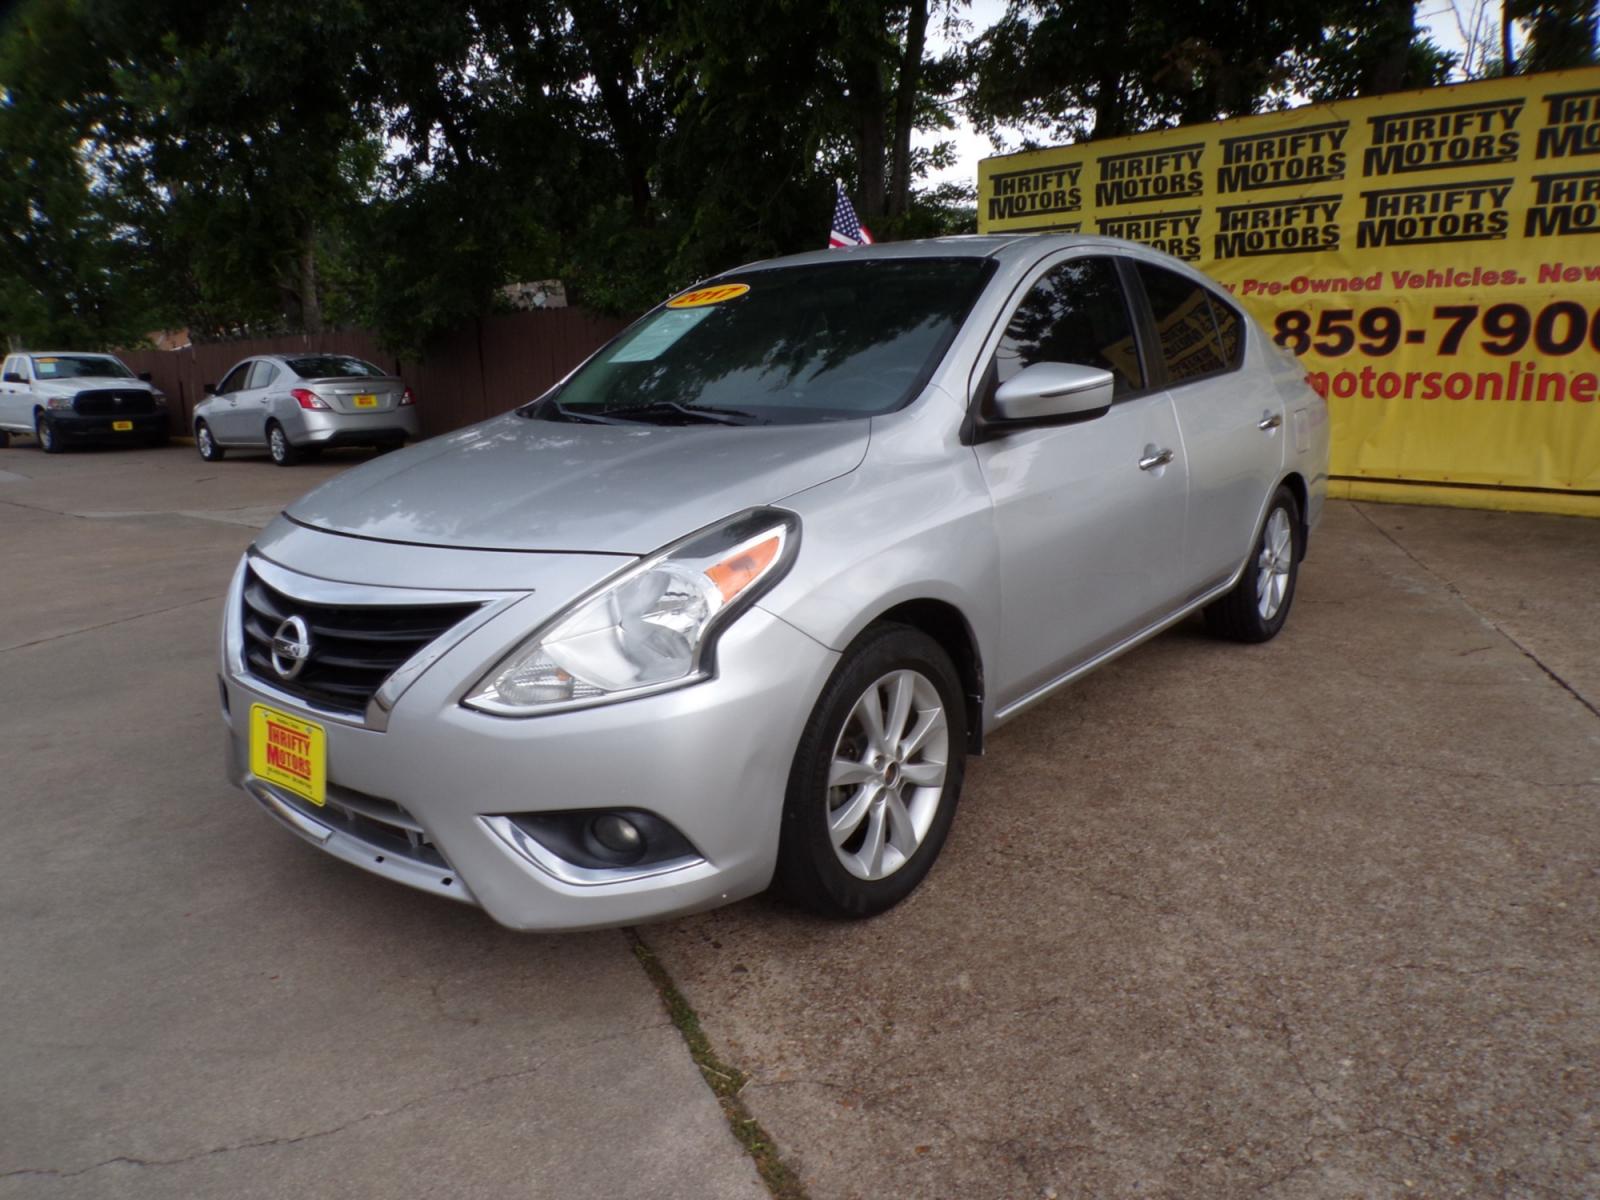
{"points": [[781, 346], [333, 366], [78, 366]]}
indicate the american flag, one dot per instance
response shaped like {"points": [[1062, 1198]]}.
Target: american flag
{"points": [[847, 227]]}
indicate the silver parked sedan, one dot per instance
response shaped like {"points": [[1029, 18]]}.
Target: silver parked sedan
{"points": [[295, 405], [732, 604]]}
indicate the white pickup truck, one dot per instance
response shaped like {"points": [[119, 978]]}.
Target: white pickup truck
{"points": [[67, 397]]}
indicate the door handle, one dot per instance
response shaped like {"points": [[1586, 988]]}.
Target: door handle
{"points": [[1151, 461], [1269, 420]]}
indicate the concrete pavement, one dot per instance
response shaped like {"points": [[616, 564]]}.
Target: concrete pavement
{"points": [[195, 1003], [1311, 919]]}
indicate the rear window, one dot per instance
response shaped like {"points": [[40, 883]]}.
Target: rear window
{"points": [[333, 366], [1190, 343], [828, 341]]}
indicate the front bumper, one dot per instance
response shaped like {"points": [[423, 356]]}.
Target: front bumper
{"points": [[76, 427], [712, 759]]}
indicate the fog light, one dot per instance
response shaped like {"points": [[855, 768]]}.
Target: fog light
{"points": [[617, 834]]}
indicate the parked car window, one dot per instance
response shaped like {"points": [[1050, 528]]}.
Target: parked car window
{"points": [[79, 366], [1182, 311], [334, 366], [1230, 328], [820, 342], [1076, 314], [235, 380], [12, 367], [262, 375]]}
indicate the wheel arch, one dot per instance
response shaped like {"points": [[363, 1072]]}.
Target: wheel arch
{"points": [[1296, 484], [947, 625]]}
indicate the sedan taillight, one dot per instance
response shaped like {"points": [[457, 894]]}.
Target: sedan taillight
{"points": [[306, 398], [407, 398]]}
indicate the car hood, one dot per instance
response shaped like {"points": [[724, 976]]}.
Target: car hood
{"points": [[519, 484], [88, 383]]}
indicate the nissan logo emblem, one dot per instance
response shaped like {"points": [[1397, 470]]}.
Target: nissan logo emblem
{"points": [[291, 647]]}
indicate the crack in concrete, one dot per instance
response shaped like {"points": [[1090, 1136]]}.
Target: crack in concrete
{"points": [[1450, 587], [154, 612], [316, 1134]]}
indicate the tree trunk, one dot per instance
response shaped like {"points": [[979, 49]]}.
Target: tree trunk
{"points": [[310, 305], [865, 80], [1396, 30], [905, 107]]}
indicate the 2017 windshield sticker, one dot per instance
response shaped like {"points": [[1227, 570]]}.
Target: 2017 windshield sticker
{"points": [[709, 295]]}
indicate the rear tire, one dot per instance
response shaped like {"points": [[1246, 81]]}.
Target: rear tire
{"points": [[1258, 605], [206, 444], [280, 447], [876, 777], [5, 439], [49, 438]]}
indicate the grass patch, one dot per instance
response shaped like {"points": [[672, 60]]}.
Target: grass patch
{"points": [[725, 1081]]}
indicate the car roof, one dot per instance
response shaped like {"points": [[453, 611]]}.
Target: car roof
{"points": [[1007, 249], [66, 353]]}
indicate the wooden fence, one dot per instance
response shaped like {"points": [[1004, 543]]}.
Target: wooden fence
{"points": [[485, 368]]}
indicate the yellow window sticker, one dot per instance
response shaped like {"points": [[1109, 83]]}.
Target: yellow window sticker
{"points": [[709, 295]]}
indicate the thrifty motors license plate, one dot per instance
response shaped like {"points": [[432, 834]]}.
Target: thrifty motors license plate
{"points": [[122, 426], [289, 752], [367, 401]]}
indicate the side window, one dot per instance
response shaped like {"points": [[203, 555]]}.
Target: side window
{"points": [[1188, 333], [10, 367], [262, 375], [1230, 328], [235, 380], [1075, 314]]}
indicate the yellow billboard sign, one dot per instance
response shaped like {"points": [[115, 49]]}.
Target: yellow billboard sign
{"points": [[1432, 258]]}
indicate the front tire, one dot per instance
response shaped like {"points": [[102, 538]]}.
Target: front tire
{"points": [[49, 438], [1259, 604], [875, 780], [206, 444], [280, 447]]}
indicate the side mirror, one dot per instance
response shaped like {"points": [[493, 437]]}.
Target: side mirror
{"points": [[13, 377], [210, 389], [1049, 389], [144, 376]]}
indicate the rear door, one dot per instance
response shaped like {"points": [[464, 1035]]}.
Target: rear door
{"points": [[1089, 515], [1231, 419], [254, 406]]}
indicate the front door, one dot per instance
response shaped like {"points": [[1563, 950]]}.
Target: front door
{"points": [[228, 424], [1089, 515]]}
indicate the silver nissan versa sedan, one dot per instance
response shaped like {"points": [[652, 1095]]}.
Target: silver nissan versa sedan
{"points": [[294, 406], [731, 605]]}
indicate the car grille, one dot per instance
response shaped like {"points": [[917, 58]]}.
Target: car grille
{"points": [[381, 824], [115, 402], [354, 648]]}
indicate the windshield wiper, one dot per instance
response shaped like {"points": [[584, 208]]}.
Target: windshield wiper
{"points": [[689, 412], [553, 410]]}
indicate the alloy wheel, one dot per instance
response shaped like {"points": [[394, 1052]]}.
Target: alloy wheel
{"points": [[887, 774], [1273, 564]]}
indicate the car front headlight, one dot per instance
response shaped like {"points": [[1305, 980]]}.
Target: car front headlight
{"points": [[651, 628], [159, 397], [59, 402]]}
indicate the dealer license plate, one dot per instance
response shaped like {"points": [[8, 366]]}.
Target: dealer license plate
{"points": [[367, 401], [122, 426], [289, 752]]}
